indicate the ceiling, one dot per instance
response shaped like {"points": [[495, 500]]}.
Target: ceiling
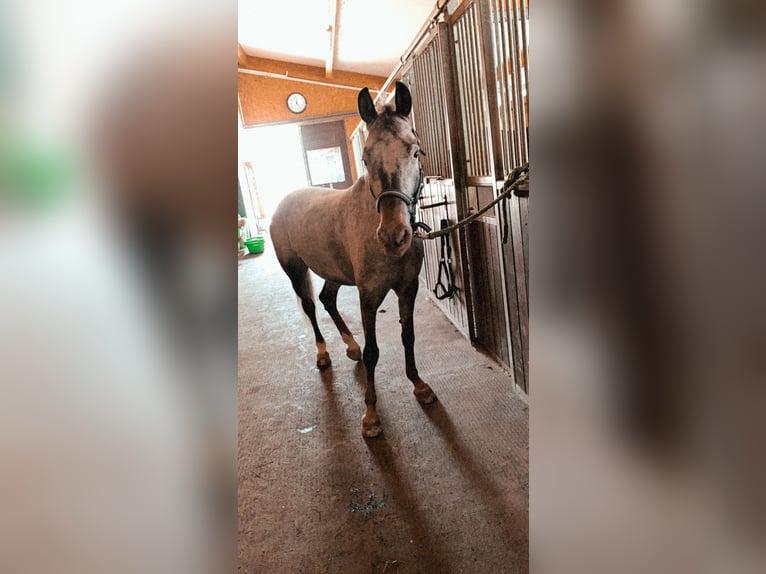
{"points": [[370, 38]]}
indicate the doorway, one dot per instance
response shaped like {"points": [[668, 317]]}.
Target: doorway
{"points": [[325, 148], [271, 165]]}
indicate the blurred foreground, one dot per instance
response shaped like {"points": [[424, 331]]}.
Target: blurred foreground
{"points": [[647, 310], [117, 293]]}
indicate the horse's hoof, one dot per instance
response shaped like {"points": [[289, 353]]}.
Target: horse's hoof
{"points": [[425, 395], [371, 423], [323, 360], [354, 353], [371, 431]]}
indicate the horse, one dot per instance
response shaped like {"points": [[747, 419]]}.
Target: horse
{"points": [[362, 236]]}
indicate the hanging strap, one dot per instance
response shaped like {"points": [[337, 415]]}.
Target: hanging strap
{"points": [[449, 290], [503, 216]]}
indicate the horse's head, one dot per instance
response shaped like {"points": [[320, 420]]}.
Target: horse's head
{"points": [[393, 167]]}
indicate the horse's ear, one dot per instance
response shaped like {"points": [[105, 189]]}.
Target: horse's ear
{"points": [[366, 106], [403, 99]]}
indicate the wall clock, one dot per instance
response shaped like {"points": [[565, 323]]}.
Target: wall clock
{"points": [[296, 103]]}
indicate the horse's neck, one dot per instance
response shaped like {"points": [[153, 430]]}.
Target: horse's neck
{"points": [[361, 189], [360, 196], [360, 184]]}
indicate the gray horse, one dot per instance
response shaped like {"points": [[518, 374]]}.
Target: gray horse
{"points": [[362, 236]]}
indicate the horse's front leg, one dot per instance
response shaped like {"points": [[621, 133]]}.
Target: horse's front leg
{"points": [[369, 302], [422, 391]]}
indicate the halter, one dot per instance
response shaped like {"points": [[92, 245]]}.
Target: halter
{"points": [[411, 201]]}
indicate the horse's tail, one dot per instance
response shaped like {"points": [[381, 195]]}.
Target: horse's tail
{"points": [[308, 285], [304, 290], [292, 264], [300, 277]]}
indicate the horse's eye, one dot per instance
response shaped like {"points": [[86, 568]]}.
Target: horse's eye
{"points": [[417, 153]]}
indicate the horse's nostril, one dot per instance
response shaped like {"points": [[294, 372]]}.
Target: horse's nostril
{"points": [[393, 239]]}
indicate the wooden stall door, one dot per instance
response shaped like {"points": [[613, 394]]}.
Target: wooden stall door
{"points": [[516, 255], [505, 27], [487, 266], [431, 83]]}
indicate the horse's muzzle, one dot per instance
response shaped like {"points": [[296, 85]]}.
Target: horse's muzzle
{"points": [[395, 239]]}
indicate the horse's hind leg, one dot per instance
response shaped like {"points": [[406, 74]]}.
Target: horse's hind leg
{"points": [[422, 391], [329, 297], [298, 272]]}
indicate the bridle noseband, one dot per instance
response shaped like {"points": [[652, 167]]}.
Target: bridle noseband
{"points": [[411, 201]]}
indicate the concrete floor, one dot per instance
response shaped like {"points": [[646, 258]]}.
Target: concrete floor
{"points": [[443, 490]]}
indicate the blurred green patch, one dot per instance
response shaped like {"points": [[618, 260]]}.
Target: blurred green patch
{"points": [[34, 173]]}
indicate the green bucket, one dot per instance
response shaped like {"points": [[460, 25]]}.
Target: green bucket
{"points": [[255, 244]]}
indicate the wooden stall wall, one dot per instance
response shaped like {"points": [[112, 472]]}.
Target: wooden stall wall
{"points": [[507, 23], [430, 80], [443, 193], [490, 303]]}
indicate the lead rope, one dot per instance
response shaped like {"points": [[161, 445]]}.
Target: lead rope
{"points": [[517, 176]]}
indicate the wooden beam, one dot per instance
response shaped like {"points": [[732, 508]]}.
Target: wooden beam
{"points": [[289, 78], [241, 56], [332, 28]]}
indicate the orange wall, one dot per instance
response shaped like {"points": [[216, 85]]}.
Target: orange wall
{"points": [[263, 100]]}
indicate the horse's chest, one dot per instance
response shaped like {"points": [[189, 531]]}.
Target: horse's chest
{"points": [[389, 272]]}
